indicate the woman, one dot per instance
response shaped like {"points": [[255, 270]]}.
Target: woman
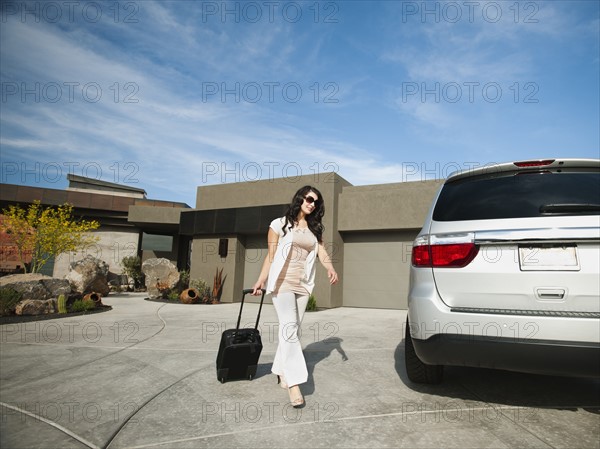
{"points": [[294, 242]]}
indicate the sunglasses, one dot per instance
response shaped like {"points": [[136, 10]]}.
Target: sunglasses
{"points": [[310, 200]]}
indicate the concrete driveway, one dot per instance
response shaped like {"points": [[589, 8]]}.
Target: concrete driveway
{"points": [[143, 375]]}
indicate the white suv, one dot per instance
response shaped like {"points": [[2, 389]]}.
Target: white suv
{"points": [[506, 272]]}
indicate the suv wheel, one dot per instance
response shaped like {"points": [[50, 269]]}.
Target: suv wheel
{"points": [[418, 371]]}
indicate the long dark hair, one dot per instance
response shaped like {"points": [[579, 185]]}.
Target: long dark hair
{"points": [[313, 219]]}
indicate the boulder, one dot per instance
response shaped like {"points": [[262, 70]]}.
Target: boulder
{"points": [[36, 307], [36, 286], [161, 274], [89, 275]]}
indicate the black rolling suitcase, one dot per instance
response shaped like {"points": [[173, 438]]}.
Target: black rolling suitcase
{"points": [[240, 348]]}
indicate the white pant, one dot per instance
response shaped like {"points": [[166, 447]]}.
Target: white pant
{"points": [[289, 361]]}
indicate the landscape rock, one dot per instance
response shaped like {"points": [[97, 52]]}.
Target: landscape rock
{"points": [[36, 286], [89, 275], [36, 307], [161, 274]]}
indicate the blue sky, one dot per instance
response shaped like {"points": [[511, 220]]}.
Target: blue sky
{"points": [[169, 96]]}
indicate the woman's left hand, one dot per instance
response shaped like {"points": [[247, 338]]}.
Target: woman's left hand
{"points": [[333, 277]]}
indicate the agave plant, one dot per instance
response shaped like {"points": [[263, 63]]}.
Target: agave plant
{"points": [[217, 284]]}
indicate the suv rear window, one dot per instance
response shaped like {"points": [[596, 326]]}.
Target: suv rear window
{"points": [[520, 194]]}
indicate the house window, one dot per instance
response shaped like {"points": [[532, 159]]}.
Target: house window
{"points": [[156, 242]]}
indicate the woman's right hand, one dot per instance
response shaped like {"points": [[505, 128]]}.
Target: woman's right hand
{"points": [[257, 288]]}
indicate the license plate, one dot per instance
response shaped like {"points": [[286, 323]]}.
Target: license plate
{"points": [[536, 258]]}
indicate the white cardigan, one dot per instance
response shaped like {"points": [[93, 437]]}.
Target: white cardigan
{"points": [[283, 248]]}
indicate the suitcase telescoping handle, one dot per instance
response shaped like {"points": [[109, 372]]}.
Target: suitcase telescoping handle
{"points": [[244, 293]]}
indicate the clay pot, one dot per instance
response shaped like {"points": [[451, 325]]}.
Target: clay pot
{"points": [[96, 298], [189, 296]]}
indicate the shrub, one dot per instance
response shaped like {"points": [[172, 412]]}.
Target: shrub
{"points": [[9, 298], [200, 284], [312, 304], [184, 280], [82, 306], [206, 296], [132, 267]]}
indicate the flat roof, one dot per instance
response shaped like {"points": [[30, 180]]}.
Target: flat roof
{"points": [[82, 181]]}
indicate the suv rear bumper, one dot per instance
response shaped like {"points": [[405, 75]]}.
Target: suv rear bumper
{"points": [[560, 358]]}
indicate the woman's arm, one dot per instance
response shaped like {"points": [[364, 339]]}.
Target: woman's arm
{"points": [[272, 240], [326, 262]]}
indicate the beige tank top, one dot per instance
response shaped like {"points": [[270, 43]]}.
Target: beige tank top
{"points": [[303, 242]]}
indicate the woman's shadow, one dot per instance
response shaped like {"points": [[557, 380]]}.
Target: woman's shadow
{"points": [[316, 352]]}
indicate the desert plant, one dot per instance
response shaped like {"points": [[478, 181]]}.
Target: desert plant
{"points": [[311, 306], [199, 284], [217, 284], [163, 288], [184, 280], [204, 290], [9, 298], [206, 295], [172, 296], [62, 304], [132, 267], [82, 306]]}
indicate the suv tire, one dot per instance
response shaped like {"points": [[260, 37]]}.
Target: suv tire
{"points": [[418, 371]]}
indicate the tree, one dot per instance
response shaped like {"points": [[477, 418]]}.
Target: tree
{"points": [[43, 233]]}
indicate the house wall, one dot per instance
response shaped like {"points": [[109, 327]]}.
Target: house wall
{"points": [[368, 230], [266, 193], [113, 245]]}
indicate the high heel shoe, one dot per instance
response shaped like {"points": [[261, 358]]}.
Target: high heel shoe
{"points": [[281, 382], [296, 398]]}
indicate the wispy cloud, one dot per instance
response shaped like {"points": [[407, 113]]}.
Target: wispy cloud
{"points": [[482, 48], [163, 123], [155, 109]]}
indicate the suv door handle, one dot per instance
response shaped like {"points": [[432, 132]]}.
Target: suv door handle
{"points": [[550, 293]]}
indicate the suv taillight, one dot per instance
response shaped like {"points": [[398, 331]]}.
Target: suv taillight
{"points": [[421, 256], [444, 252]]}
